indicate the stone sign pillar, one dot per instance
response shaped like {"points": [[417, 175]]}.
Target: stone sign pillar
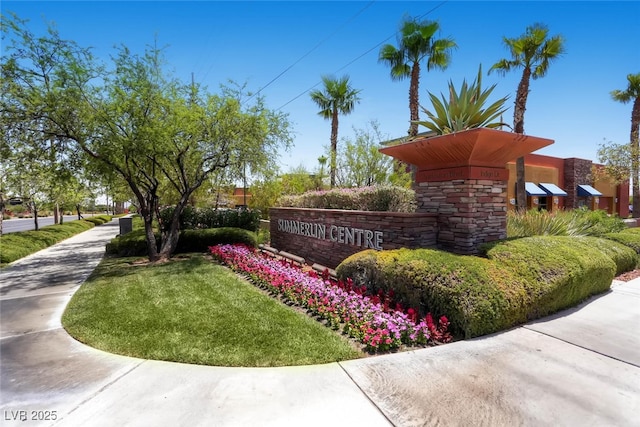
{"points": [[471, 210], [462, 177]]}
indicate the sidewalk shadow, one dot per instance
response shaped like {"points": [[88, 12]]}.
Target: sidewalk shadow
{"points": [[64, 264]]}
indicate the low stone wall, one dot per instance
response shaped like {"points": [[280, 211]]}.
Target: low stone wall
{"points": [[328, 236]]}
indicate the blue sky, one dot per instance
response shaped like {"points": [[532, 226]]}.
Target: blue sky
{"points": [[254, 42]]}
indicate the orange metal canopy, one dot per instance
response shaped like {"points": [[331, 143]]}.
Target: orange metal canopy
{"points": [[475, 147]]}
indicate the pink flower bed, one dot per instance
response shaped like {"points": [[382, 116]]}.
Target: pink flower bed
{"points": [[368, 319]]}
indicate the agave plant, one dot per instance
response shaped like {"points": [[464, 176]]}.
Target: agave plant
{"points": [[464, 110]]}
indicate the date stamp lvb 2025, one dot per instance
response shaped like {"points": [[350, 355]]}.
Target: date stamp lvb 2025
{"points": [[29, 415]]}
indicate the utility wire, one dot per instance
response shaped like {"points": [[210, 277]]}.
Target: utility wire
{"points": [[313, 49], [360, 56]]}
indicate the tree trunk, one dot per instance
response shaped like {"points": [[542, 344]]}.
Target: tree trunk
{"points": [[34, 211], [56, 213], [152, 247], [1, 212], [171, 236], [518, 127], [147, 208], [635, 157], [413, 99], [169, 242], [521, 192], [334, 145]]}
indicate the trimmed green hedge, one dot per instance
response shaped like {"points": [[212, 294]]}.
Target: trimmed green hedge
{"points": [[520, 280], [98, 220], [130, 244], [624, 256], [20, 244], [135, 244], [629, 237], [202, 218], [382, 198], [477, 296], [200, 240], [562, 271]]}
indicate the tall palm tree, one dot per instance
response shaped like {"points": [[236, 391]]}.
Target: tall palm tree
{"points": [[338, 97], [416, 43], [532, 52], [632, 92]]}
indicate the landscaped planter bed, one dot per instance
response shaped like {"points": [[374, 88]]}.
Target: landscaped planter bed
{"points": [[372, 320]]}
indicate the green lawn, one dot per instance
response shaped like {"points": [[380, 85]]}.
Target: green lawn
{"points": [[14, 246], [195, 311]]}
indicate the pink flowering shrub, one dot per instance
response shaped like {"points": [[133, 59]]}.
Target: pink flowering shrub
{"points": [[385, 198], [370, 319]]}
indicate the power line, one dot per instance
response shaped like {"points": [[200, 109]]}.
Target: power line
{"points": [[313, 49], [359, 56]]}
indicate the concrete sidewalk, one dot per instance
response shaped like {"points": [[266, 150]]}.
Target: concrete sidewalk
{"points": [[579, 367]]}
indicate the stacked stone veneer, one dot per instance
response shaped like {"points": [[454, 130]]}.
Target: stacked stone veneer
{"points": [[470, 211], [576, 172], [393, 230]]}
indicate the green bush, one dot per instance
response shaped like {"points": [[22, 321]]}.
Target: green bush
{"points": [[263, 236], [561, 271], [520, 280], [380, 198], [18, 245], [600, 222], [130, 244], [135, 243], [623, 256], [477, 296], [200, 240], [577, 222], [629, 237], [99, 220], [203, 218]]}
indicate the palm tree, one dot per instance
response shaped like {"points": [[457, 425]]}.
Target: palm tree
{"points": [[415, 44], [632, 92], [533, 51], [338, 97], [322, 161]]}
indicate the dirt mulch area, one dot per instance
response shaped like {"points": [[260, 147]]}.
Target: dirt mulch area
{"points": [[629, 275]]}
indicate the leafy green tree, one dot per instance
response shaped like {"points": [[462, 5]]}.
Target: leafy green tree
{"points": [[632, 93], [31, 187], [29, 173], [532, 52], [297, 181], [136, 121], [361, 164], [338, 97], [266, 190], [81, 197], [264, 195], [29, 142], [616, 159], [416, 43]]}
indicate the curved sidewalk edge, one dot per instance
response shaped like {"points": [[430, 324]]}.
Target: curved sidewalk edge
{"points": [[578, 367], [47, 374]]}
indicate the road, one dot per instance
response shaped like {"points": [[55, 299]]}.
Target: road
{"points": [[25, 224]]}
